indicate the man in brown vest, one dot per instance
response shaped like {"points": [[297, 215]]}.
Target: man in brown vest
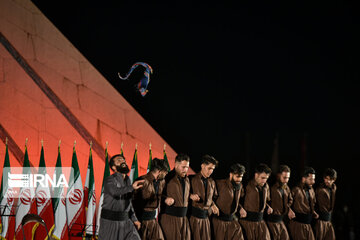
{"points": [[225, 224], [257, 194], [281, 200], [202, 192], [325, 200], [304, 207], [173, 219], [146, 200]]}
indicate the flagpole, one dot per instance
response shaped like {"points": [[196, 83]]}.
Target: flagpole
{"points": [[60, 230], [106, 174], [74, 201], [134, 171], [43, 209], [150, 159], [165, 157], [89, 193], [23, 209]]}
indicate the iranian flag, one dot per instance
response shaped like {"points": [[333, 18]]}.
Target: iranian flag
{"points": [[165, 158], [75, 200], [90, 198], [44, 203], [134, 172], [26, 204], [7, 199], [150, 159], [121, 150], [106, 174], [61, 230]]}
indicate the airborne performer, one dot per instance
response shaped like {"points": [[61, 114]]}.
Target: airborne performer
{"points": [[144, 81]]}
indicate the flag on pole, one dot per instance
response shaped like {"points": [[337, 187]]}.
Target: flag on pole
{"points": [[61, 230], [134, 172], [106, 174], [166, 159], [26, 203], [75, 199], [7, 199], [121, 151], [90, 198], [44, 203], [150, 159]]}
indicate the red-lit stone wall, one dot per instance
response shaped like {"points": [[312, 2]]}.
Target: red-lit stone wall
{"points": [[27, 112]]}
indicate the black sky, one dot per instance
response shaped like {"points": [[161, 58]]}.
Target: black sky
{"points": [[227, 73]]}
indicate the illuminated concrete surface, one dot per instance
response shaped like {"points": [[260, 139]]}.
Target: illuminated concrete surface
{"points": [[26, 112]]}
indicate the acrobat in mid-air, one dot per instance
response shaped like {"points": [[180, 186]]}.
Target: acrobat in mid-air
{"points": [[144, 81]]}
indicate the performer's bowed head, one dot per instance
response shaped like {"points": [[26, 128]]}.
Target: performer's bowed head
{"points": [[182, 162]]}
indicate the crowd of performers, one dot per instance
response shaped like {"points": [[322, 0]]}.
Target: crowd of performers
{"points": [[174, 206]]}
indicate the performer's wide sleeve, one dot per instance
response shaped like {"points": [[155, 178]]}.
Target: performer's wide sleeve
{"points": [[295, 192], [215, 195], [290, 199], [114, 189], [268, 197], [313, 202], [132, 213], [242, 198], [146, 191]]}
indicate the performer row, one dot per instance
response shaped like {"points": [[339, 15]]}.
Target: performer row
{"points": [[174, 206]]}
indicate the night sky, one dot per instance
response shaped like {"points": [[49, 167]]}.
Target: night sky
{"points": [[227, 78]]}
